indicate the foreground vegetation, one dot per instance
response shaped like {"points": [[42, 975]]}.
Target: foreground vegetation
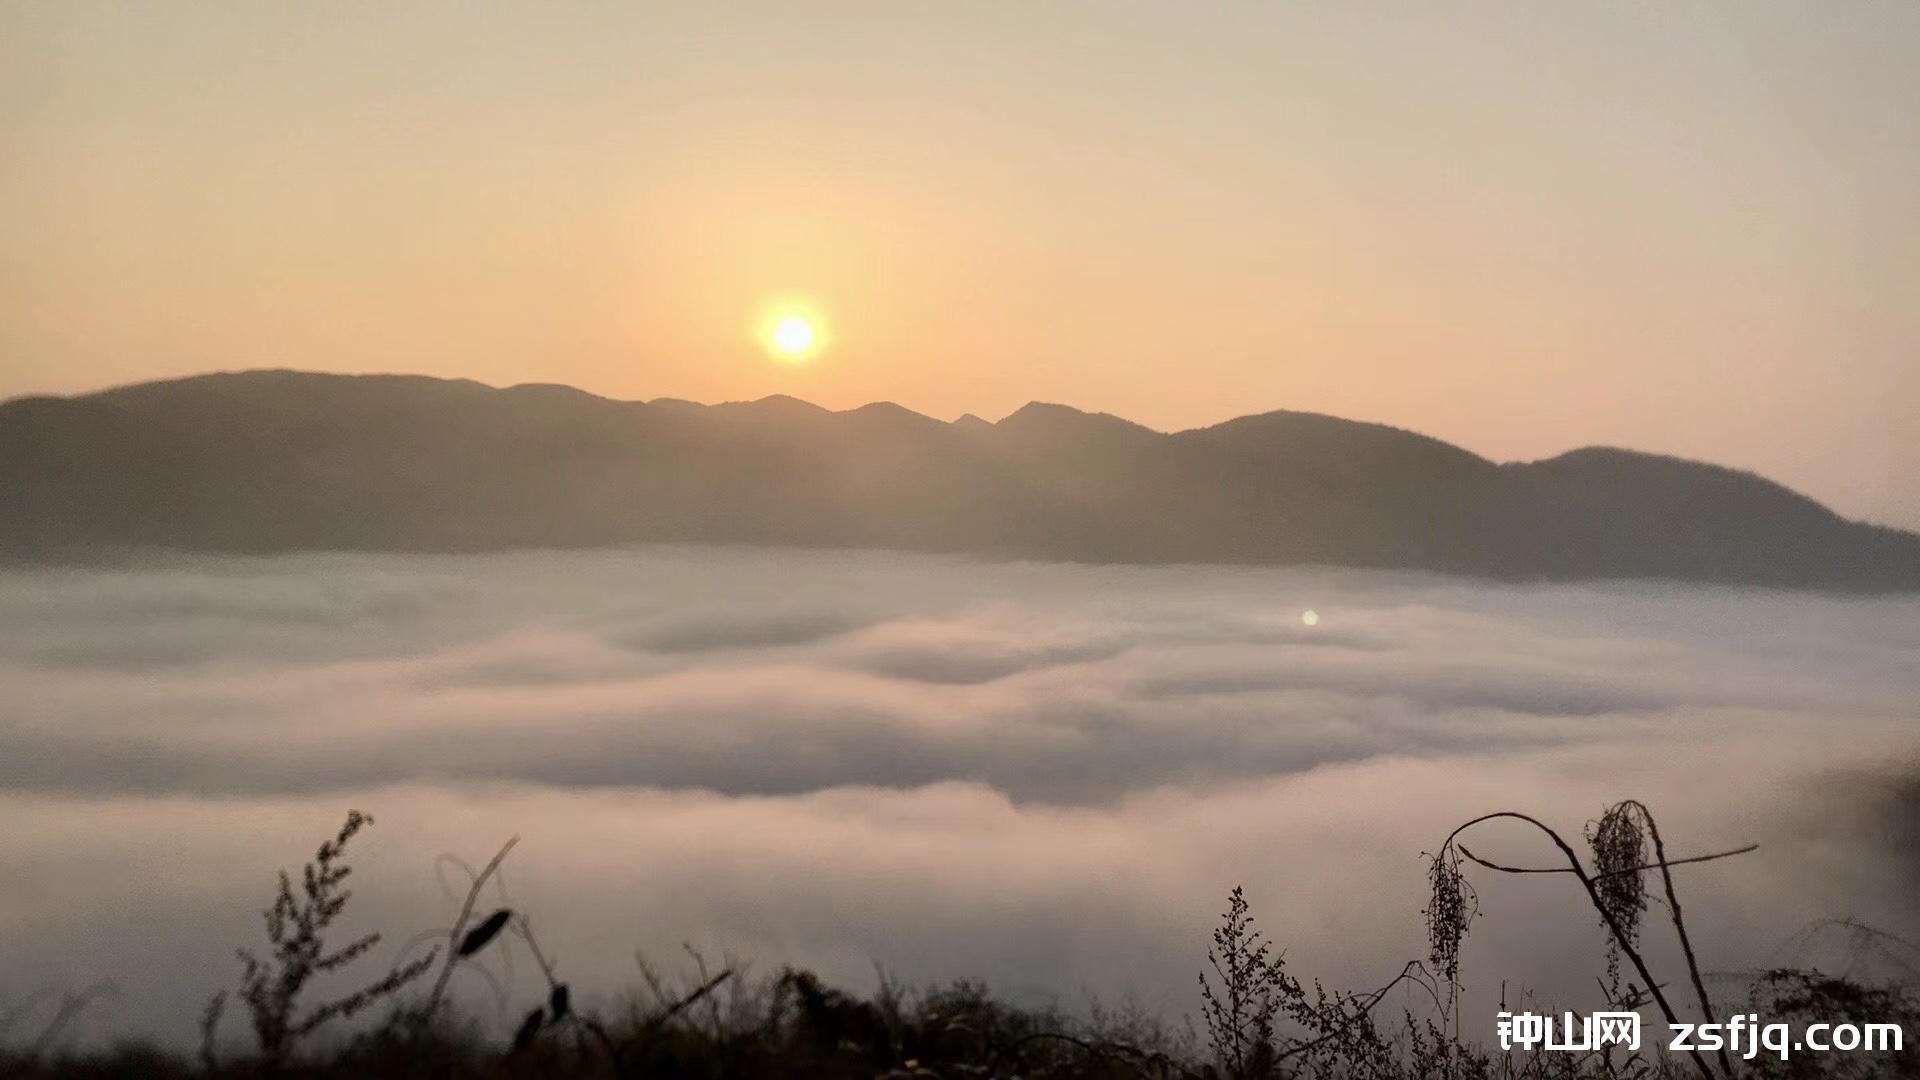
{"points": [[1257, 1020]]}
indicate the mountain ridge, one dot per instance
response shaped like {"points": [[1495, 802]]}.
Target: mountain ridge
{"points": [[278, 460]]}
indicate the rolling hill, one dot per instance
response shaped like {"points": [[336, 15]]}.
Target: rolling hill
{"points": [[271, 461]]}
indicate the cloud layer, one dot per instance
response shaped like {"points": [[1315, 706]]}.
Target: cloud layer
{"points": [[1047, 776]]}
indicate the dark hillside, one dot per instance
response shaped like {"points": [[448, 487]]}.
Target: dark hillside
{"points": [[270, 461]]}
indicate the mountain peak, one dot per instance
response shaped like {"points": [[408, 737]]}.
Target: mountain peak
{"points": [[771, 407], [1039, 416], [678, 404], [1288, 432], [1042, 410], [892, 417], [883, 408]]}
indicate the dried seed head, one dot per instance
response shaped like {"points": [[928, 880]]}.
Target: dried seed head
{"points": [[1449, 913], [478, 937], [1619, 868]]}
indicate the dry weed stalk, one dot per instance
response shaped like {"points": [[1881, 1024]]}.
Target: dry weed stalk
{"points": [[296, 930], [1616, 886]]}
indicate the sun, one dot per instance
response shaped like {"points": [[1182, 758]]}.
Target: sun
{"points": [[793, 335], [792, 331]]}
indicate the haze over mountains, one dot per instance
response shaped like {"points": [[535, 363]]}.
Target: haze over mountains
{"points": [[269, 461]]}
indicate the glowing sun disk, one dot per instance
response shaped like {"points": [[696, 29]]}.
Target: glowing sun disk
{"points": [[792, 331], [793, 336]]}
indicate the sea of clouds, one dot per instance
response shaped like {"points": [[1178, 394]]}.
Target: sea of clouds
{"points": [[1047, 777]]}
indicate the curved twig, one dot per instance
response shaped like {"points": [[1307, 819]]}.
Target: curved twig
{"points": [[460, 926], [440, 862], [400, 955], [1407, 974], [1593, 894], [1680, 923], [1863, 936]]}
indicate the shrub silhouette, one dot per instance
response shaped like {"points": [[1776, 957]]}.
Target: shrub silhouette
{"points": [[1261, 1022], [296, 931]]}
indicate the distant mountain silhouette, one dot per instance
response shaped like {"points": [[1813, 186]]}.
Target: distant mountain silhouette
{"points": [[268, 461]]}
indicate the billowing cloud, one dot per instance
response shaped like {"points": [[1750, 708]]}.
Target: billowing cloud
{"points": [[1047, 776]]}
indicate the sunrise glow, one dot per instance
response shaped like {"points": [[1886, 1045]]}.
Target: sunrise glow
{"points": [[792, 331]]}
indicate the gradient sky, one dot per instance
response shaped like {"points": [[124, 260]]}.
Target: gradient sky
{"points": [[1523, 228]]}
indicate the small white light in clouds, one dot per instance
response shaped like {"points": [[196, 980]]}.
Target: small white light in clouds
{"points": [[1309, 617]]}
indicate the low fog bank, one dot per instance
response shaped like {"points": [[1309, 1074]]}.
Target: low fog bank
{"points": [[1045, 776]]}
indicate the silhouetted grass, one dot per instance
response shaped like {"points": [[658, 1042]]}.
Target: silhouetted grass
{"points": [[1260, 1021]]}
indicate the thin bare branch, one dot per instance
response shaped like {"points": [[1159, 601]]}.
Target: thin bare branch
{"points": [[1408, 973], [1680, 923], [1657, 865], [460, 926], [1620, 934]]}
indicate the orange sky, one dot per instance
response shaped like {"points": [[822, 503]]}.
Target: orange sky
{"points": [[1518, 227]]}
